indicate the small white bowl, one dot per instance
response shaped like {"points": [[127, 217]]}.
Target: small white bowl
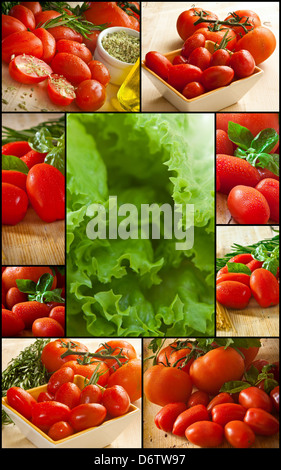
{"points": [[118, 70], [96, 437], [214, 100]]}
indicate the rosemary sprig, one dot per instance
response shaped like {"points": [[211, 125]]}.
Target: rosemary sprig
{"points": [[56, 128], [75, 22]]}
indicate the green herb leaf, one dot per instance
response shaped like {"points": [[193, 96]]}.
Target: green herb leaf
{"points": [[234, 386], [26, 286], [238, 268], [240, 135], [9, 162], [265, 141]]}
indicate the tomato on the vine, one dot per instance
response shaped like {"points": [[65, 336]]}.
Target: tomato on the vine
{"points": [[163, 385], [185, 22], [52, 352]]}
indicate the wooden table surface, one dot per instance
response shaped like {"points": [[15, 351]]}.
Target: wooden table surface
{"points": [[32, 241], [12, 436], [159, 34], [155, 438], [223, 216], [253, 320]]}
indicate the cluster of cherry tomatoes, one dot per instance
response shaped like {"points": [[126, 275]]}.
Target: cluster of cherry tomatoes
{"points": [[44, 318], [252, 191], [188, 389], [58, 55], [112, 381], [241, 43]]}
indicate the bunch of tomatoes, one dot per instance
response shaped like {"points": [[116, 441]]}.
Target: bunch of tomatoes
{"points": [[252, 191], [189, 388], [57, 55], [44, 318], [240, 41], [112, 380], [43, 187]]}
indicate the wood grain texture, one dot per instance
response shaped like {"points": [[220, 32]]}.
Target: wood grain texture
{"points": [[159, 34], [157, 439], [253, 320], [223, 216]]}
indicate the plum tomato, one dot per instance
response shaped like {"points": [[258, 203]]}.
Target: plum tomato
{"points": [[18, 149], [59, 377], [158, 63], [48, 42], [12, 324], [90, 95], [21, 401], [11, 25], [234, 171], [15, 296], [254, 397], [14, 177], [116, 400], [222, 397], [92, 393], [239, 435], [179, 59], [264, 287], [74, 69], [191, 43], [200, 57], [86, 415], [239, 277], [261, 422], [23, 14], [30, 311], [74, 47], [248, 206], [192, 90], [242, 63], [60, 430], [225, 412], [180, 75], [274, 396], [58, 313], [188, 417], [167, 415], [198, 398], [69, 394], [91, 41], [47, 328], [32, 158], [28, 69], [217, 76], [22, 42], [99, 72], [269, 187], [46, 413], [223, 143], [35, 7], [233, 294], [205, 434], [64, 32], [14, 204], [220, 57], [61, 92]]}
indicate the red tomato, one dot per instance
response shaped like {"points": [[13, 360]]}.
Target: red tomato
{"points": [[174, 357], [14, 177], [35, 7], [21, 401], [223, 143], [58, 314], [217, 36], [188, 417], [222, 397], [33, 273], [248, 206], [234, 171], [191, 43], [63, 32], [242, 63], [76, 48], [47, 327], [45, 396], [192, 90], [185, 22], [261, 422], [17, 149], [205, 434], [30, 311], [14, 296], [46, 413], [239, 435], [22, 42], [69, 394], [60, 91], [49, 44], [265, 173], [91, 394], [12, 324], [89, 368], [225, 412], [180, 75], [130, 377], [87, 415], [243, 258], [269, 188], [25, 15], [52, 352], [58, 378], [28, 69], [111, 14], [11, 25], [233, 294], [71, 67], [217, 76], [45, 186], [220, 365], [116, 400], [244, 16], [198, 398], [166, 417], [249, 354], [200, 57], [260, 42], [60, 430], [274, 395], [159, 64], [264, 287], [90, 95], [91, 41], [14, 204], [179, 59], [239, 277], [117, 347], [33, 157], [254, 264], [220, 57], [254, 397], [99, 72], [43, 16]]}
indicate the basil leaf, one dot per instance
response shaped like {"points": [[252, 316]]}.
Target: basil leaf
{"points": [[42, 141], [44, 283], [265, 141], [9, 162], [234, 386], [260, 253], [240, 135], [271, 264], [26, 286], [238, 268]]}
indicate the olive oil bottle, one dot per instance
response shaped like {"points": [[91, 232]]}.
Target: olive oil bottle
{"points": [[129, 93]]}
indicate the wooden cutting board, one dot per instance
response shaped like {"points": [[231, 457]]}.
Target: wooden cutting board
{"points": [[32, 241], [253, 320], [157, 439]]}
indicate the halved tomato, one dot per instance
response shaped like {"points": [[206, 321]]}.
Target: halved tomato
{"points": [[28, 69], [61, 92]]}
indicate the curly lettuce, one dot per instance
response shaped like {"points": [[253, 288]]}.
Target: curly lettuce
{"points": [[140, 287]]}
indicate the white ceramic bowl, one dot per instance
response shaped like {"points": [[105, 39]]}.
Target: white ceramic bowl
{"points": [[214, 100], [96, 437], [118, 70]]}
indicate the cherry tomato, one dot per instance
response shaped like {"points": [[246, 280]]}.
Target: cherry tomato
{"points": [[12, 324], [22, 42], [60, 91], [274, 395], [11, 25], [242, 63], [223, 143], [87, 415], [14, 204], [21, 401], [15, 296], [265, 287], [211, 371], [234, 171], [30, 311], [46, 413], [248, 16], [23, 14], [35, 7], [45, 396], [225, 412], [14, 177], [220, 57], [33, 157], [58, 314], [47, 327], [260, 42], [159, 64], [130, 377], [58, 378], [205, 434], [180, 75], [52, 352], [91, 394], [198, 398], [88, 369], [185, 22], [45, 186], [239, 434], [99, 72], [269, 188], [60, 430], [222, 397], [48, 42], [217, 76], [243, 258], [247, 205], [192, 90], [28, 69], [191, 43], [233, 294], [90, 95], [166, 417], [71, 67], [253, 397], [69, 394], [254, 264], [18, 149], [261, 422], [76, 48], [179, 59], [239, 277], [116, 400], [200, 57], [188, 417]]}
